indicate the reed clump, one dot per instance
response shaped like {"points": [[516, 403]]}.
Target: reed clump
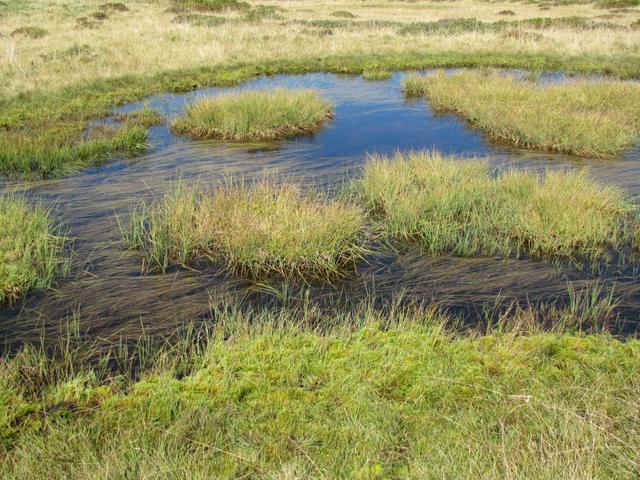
{"points": [[31, 249], [257, 230], [255, 115], [590, 119], [452, 206]]}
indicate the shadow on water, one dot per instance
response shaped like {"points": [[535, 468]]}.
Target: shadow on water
{"points": [[113, 298]]}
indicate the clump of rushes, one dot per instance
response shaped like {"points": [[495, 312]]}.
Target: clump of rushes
{"points": [[452, 206], [255, 115], [256, 230], [54, 153], [594, 119], [31, 249]]}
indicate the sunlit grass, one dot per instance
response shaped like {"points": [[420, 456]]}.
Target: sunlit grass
{"points": [[453, 206], [600, 118], [257, 230], [31, 248], [255, 115], [373, 393]]}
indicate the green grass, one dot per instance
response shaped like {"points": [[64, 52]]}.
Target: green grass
{"points": [[452, 206], [56, 151], [256, 230], [69, 109], [254, 115], [591, 119], [377, 395], [31, 249]]}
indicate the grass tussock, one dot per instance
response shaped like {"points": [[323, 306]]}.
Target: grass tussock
{"points": [[31, 249], [256, 230], [591, 119], [452, 206], [255, 115], [380, 395]]}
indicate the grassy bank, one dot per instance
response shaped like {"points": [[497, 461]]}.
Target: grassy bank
{"points": [[31, 249], [254, 115], [375, 395], [452, 206], [257, 230], [591, 119]]}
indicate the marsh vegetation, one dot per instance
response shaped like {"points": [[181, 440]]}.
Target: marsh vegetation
{"points": [[259, 230], [254, 115], [591, 119], [452, 206], [327, 332], [362, 394], [32, 248]]}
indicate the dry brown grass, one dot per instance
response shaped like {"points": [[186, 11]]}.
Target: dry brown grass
{"points": [[146, 39]]}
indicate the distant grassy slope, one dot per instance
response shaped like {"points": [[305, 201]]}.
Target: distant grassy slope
{"points": [[405, 401]]}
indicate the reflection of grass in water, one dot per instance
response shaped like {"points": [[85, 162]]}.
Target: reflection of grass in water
{"points": [[373, 393], [585, 118], [255, 115], [258, 230], [455, 207], [31, 249]]}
